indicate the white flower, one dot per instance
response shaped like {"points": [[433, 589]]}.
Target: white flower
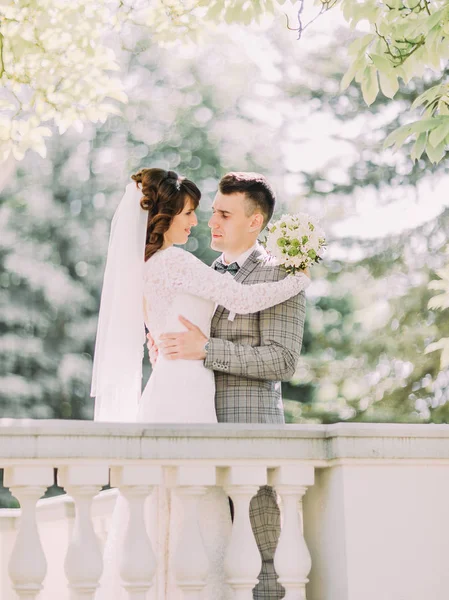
{"points": [[295, 240]]}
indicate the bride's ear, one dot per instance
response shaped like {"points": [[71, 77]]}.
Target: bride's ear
{"points": [[256, 223]]}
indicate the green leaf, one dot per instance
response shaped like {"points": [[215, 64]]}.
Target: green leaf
{"points": [[359, 45], [425, 125], [215, 11], [388, 84], [347, 9], [439, 302], [416, 64], [437, 18], [438, 284], [370, 85], [434, 346], [233, 14], [443, 345], [247, 17], [437, 153], [382, 63], [434, 36], [428, 96], [419, 146], [439, 133], [269, 6], [398, 136], [432, 55], [348, 77]]}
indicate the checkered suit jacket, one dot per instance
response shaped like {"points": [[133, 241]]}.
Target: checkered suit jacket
{"points": [[252, 354]]}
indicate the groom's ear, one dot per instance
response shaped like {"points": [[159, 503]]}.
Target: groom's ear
{"points": [[256, 223]]}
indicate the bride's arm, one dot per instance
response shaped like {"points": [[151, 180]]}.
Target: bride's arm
{"points": [[188, 274]]}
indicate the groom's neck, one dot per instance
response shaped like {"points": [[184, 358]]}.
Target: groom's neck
{"points": [[232, 255]]}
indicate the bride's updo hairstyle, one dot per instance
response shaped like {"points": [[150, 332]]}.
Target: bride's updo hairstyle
{"points": [[164, 196]]}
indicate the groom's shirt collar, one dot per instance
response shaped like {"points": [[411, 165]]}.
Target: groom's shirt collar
{"points": [[240, 260]]}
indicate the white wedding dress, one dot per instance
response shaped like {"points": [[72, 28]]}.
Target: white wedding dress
{"points": [[182, 391], [177, 283]]}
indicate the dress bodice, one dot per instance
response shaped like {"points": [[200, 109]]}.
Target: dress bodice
{"points": [[195, 309]]}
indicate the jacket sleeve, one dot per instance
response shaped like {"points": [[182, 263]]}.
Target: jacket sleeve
{"points": [[276, 358]]}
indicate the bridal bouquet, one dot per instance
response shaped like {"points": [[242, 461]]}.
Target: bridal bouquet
{"points": [[296, 241]]}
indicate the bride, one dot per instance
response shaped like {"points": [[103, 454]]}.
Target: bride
{"points": [[148, 281]]}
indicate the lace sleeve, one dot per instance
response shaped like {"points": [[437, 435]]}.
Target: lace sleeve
{"points": [[187, 273]]}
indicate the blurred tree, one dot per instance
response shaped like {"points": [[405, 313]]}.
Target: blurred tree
{"points": [[441, 302], [43, 261], [368, 325]]}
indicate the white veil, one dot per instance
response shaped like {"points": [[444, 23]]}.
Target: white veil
{"points": [[117, 369]]}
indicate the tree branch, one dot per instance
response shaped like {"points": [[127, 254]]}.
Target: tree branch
{"points": [[325, 6], [397, 55], [2, 62]]}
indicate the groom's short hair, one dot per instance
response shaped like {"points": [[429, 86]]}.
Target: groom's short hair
{"points": [[259, 194]]}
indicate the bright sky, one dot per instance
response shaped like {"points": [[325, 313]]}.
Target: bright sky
{"points": [[412, 209]]}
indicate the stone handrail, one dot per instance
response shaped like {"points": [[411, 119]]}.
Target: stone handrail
{"points": [[238, 457], [27, 439]]}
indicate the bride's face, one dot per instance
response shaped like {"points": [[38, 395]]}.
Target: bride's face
{"points": [[179, 230]]}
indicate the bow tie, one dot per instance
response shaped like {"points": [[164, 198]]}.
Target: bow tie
{"points": [[221, 268]]}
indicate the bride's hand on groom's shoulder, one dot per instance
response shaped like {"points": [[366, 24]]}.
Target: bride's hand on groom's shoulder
{"points": [[152, 349]]}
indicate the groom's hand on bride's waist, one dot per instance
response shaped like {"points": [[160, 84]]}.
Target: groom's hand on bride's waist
{"points": [[188, 345], [152, 349]]}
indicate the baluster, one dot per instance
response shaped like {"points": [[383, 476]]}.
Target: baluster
{"points": [[28, 565], [190, 561], [83, 563], [243, 561], [138, 562], [292, 559]]}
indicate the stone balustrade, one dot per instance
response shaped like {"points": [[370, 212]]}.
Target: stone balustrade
{"points": [[364, 507]]}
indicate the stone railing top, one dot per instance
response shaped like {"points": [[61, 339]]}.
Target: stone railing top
{"points": [[25, 439], [51, 427]]}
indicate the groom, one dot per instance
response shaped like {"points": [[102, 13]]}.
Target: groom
{"points": [[249, 354]]}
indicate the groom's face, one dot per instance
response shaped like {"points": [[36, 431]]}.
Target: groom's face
{"points": [[231, 226]]}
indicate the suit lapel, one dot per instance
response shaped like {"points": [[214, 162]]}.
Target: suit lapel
{"points": [[250, 264]]}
